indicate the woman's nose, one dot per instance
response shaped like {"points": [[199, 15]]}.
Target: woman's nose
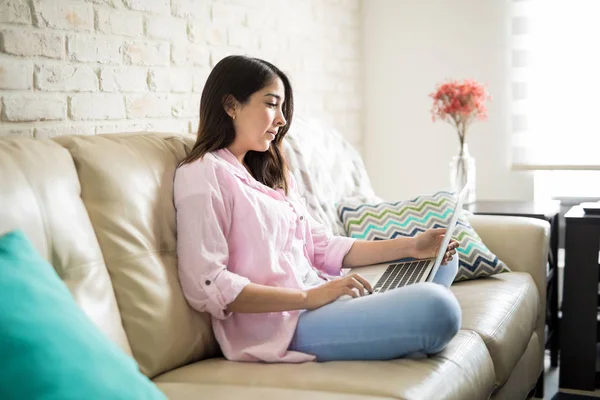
{"points": [[280, 120]]}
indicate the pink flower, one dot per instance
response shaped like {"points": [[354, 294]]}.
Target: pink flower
{"points": [[459, 104]]}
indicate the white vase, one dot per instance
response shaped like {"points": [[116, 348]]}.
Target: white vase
{"points": [[462, 172]]}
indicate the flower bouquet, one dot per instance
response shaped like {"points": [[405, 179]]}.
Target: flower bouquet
{"points": [[461, 103]]}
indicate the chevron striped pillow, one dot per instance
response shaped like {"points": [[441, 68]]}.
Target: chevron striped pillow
{"points": [[408, 218]]}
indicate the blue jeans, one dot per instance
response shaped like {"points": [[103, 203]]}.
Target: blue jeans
{"points": [[412, 321]]}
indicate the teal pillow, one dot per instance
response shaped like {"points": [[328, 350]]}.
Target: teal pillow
{"points": [[408, 218], [49, 349]]}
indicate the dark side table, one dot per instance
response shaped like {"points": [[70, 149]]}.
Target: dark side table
{"points": [[579, 322], [548, 211]]}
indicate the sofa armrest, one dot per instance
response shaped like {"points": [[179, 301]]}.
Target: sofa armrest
{"points": [[522, 243]]}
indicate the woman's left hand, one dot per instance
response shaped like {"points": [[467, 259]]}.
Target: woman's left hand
{"points": [[427, 243]]}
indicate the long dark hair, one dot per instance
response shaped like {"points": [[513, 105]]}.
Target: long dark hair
{"points": [[240, 77]]}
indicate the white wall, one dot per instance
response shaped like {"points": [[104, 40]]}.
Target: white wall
{"points": [[101, 66], [409, 47]]}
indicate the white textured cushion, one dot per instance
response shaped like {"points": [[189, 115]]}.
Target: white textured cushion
{"points": [[327, 169]]}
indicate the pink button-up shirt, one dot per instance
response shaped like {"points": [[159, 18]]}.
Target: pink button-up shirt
{"points": [[233, 230]]}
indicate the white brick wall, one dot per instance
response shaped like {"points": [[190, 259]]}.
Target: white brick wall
{"points": [[104, 66]]}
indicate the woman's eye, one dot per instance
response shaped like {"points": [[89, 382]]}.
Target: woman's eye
{"points": [[272, 105]]}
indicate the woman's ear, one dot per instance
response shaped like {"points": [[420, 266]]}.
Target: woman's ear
{"points": [[231, 105]]}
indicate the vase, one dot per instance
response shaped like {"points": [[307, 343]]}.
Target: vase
{"points": [[462, 172]]}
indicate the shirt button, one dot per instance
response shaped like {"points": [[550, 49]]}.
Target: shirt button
{"points": [[207, 282], [301, 217]]}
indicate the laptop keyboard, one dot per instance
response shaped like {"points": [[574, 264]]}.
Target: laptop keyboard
{"points": [[401, 274]]}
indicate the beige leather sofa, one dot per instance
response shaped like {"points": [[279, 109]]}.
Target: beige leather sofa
{"points": [[100, 210]]}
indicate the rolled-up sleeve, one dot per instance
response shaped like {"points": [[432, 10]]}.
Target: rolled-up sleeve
{"points": [[203, 220], [329, 250]]}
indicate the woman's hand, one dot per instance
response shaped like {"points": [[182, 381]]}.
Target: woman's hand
{"points": [[332, 290], [426, 245]]}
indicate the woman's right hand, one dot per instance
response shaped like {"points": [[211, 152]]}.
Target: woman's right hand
{"points": [[332, 290]]}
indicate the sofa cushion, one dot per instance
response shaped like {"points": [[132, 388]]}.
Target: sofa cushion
{"points": [[386, 220], [41, 195], [327, 169], [525, 374], [50, 349], [461, 371], [127, 187], [197, 391], [503, 310]]}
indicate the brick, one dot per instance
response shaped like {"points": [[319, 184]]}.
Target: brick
{"points": [[168, 126], [139, 52], [123, 79], [119, 22], [15, 12], [182, 80], [242, 37], [110, 3], [162, 7], [16, 131], [198, 10], [147, 106], [217, 54], [179, 80], [194, 126], [274, 43], [96, 106], [159, 80], [185, 106], [51, 130], [64, 15], [228, 15], [101, 49], [122, 127], [33, 107], [336, 67], [28, 43], [168, 28], [189, 54], [335, 102], [200, 77], [248, 3], [207, 34], [65, 78], [16, 75], [259, 20]]}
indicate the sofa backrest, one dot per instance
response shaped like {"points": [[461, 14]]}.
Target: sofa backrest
{"points": [[40, 194], [127, 188], [100, 208], [327, 169]]}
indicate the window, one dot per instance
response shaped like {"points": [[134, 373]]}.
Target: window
{"points": [[556, 90]]}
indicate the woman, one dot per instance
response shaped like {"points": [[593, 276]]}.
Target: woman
{"points": [[269, 274]]}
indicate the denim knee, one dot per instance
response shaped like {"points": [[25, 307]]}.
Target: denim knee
{"points": [[446, 316]]}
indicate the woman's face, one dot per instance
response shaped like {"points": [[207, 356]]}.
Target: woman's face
{"points": [[257, 122]]}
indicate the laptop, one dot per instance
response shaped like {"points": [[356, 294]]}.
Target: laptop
{"points": [[393, 275]]}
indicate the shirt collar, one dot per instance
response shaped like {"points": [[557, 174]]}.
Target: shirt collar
{"points": [[235, 166]]}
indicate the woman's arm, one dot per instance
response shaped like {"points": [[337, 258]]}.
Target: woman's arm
{"points": [[424, 245], [256, 298], [261, 299], [367, 252]]}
